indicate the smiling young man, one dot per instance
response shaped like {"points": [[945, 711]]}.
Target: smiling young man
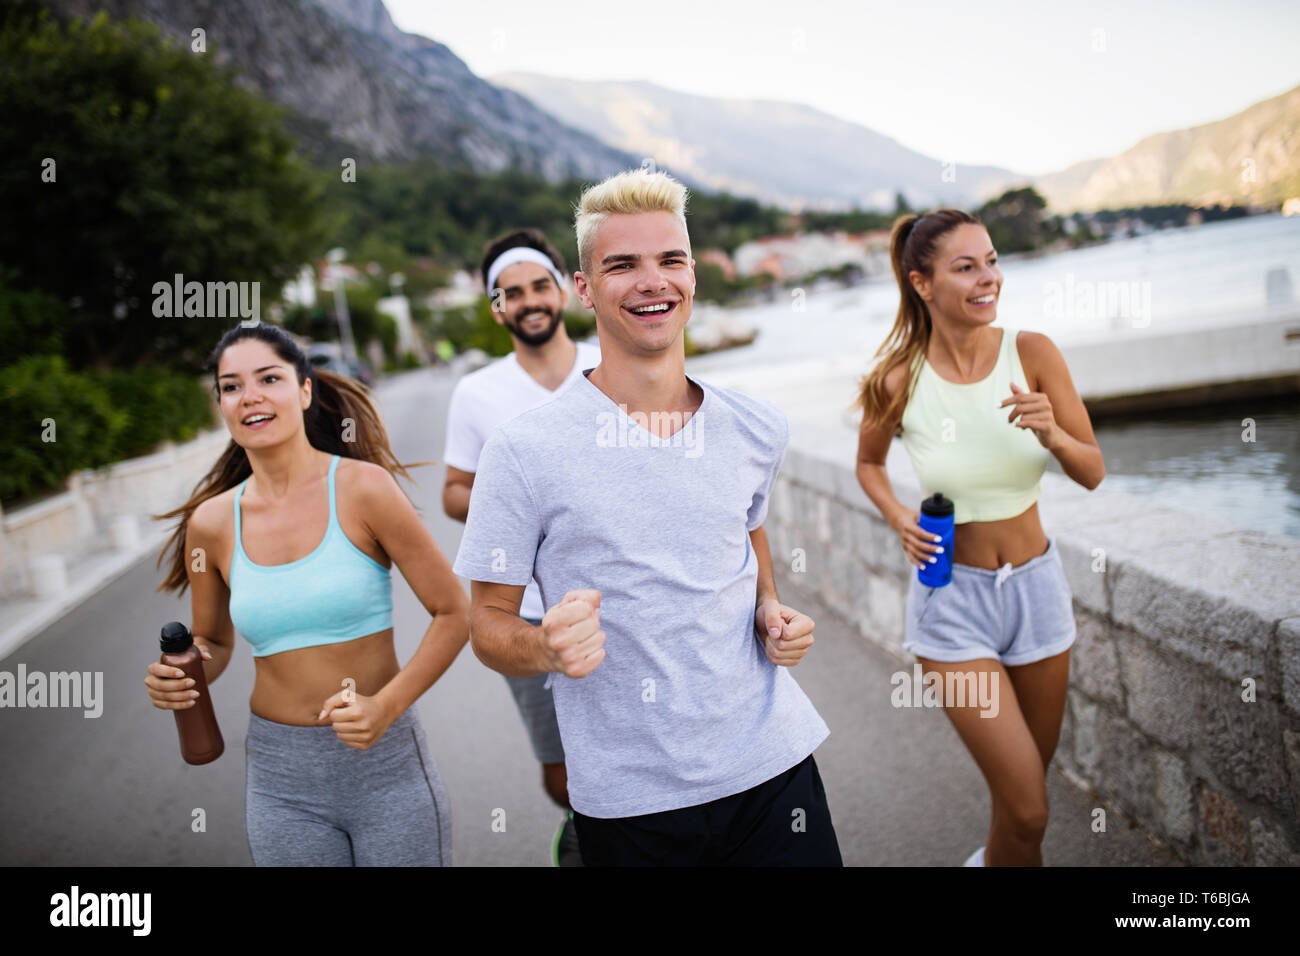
{"points": [[524, 277], [636, 500]]}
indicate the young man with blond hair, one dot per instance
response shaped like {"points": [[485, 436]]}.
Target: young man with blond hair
{"points": [[636, 500]]}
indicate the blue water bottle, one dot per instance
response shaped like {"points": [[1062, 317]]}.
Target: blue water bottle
{"points": [[937, 518]]}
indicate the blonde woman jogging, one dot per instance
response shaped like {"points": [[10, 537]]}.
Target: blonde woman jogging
{"points": [[980, 410]]}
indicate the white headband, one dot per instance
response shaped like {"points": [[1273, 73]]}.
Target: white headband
{"points": [[520, 254]]}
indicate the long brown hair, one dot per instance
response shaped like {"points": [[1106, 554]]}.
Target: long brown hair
{"points": [[912, 243], [333, 399]]}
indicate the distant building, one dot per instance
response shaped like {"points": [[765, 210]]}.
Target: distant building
{"points": [[408, 337], [875, 239], [771, 264], [301, 290], [463, 290], [796, 255], [720, 259], [331, 272]]}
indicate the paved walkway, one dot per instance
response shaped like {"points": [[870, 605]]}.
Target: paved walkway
{"points": [[114, 791]]}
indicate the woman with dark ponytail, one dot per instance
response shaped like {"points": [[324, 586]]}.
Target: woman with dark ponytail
{"points": [[289, 540], [980, 410]]}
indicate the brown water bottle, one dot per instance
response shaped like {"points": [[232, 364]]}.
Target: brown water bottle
{"points": [[200, 736]]}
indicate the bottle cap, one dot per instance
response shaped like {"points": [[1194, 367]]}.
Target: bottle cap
{"points": [[937, 506], [175, 637]]}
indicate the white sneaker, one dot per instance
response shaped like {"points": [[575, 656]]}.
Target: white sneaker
{"points": [[976, 858]]}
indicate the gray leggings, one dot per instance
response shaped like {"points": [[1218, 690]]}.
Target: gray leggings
{"points": [[311, 800]]}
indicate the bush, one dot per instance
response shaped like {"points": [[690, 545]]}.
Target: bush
{"points": [[159, 406], [313, 323], [580, 325], [367, 321], [473, 327], [54, 422], [31, 323], [386, 333]]}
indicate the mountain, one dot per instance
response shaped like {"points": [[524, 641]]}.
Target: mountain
{"points": [[795, 155], [782, 153], [356, 85], [1213, 163]]}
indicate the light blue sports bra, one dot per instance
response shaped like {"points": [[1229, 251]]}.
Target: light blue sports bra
{"points": [[335, 594]]}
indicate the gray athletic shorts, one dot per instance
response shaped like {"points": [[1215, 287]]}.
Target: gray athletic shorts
{"points": [[311, 800], [536, 706], [1017, 615]]}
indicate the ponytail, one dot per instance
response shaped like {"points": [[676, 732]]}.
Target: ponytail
{"points": [[912, 242], [338, 405]]}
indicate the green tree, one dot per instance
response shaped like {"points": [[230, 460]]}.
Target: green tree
{"points": [[129, 160], [52, 422], [31, 323], [711, 283], [1015, 220]]}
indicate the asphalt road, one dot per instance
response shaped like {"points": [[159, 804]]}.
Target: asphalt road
{"points": [[113, 790]]}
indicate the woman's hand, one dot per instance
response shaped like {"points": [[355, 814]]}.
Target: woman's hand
{"points": [[358, 721], [168, 686], [918, 544], [1035, 411]]}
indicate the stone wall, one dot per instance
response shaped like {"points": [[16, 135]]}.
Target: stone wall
{"points": [[102, 510], [1179, 617]]}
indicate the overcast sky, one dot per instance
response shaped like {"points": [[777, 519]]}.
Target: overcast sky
{"points": [[1030, 86]]}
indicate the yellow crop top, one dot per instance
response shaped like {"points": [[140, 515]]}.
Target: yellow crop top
{"points": [[962, 445]]}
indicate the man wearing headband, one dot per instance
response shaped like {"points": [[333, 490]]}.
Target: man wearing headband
{"points": [[523, 274], [635, 499]]}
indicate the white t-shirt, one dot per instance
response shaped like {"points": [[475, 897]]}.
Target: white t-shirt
{"points": [[495, 394]]}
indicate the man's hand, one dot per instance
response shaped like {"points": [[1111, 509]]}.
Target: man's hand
{"points": [[786, 633], [571, 637]]}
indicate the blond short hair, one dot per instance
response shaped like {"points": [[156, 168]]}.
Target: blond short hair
{"points": [[633, 191]]}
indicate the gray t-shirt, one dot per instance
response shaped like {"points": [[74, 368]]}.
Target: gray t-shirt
{"points": [[685, 708]]}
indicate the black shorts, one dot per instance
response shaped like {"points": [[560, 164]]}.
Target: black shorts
{"points": [[784, 821]]}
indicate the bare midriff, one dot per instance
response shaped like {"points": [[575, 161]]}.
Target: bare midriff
{"points": [[291, 687], [993, 544]]}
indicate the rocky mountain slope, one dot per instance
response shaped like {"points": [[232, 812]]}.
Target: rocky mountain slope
{"points": [[358, 86]]}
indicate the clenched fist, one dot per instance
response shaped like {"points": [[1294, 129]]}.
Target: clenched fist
{"points": [[786, 634], [572, 641]]}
